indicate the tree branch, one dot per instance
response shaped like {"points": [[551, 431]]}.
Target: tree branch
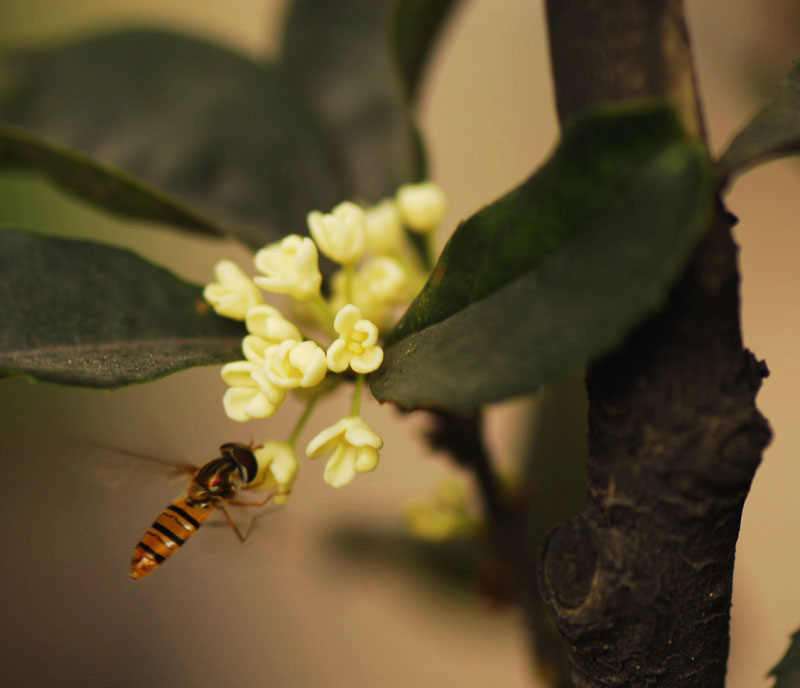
{"points": [[605, 52], [640, 583]]}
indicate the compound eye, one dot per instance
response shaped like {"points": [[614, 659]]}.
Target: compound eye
{"points": [[248, 467]]}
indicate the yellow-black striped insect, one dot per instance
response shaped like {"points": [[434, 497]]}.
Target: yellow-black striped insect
{"points": [[213, 486]]}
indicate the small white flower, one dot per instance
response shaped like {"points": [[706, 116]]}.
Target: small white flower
{"points": [[355, 448], [422, 206], [293, 364], [384, 228], [251, 394], [267, 327], [234, 293], [357, 343], [291, 267], [277, 469], [340, 234]]}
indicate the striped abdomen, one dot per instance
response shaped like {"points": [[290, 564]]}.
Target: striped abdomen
{"points": [[176, 524]]}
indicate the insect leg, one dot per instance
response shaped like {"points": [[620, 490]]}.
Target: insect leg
{"points": [[232, 523], [234, 502]]}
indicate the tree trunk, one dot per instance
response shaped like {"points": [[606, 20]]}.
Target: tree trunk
{"points": [[640, 583]]}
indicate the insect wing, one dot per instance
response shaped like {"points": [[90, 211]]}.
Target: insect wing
{"points": [[118, 468]]}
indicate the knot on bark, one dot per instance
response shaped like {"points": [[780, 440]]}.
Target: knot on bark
{"points": [[569, 564]]}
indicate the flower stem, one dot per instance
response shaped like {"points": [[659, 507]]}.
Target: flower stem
{"points": [[431, 248], [355, 409], [298, 428]]}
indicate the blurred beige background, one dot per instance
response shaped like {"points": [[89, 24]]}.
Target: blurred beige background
{"points": [[280, 610]]}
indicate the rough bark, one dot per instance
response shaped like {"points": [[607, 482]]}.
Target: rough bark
{"points": [[640, 583]]}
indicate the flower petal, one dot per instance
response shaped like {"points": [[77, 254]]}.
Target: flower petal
{"points": [[234, 401], [233, 293], [360, 435], [237, 374], [255, 348], [346, 319], [338, 357], [367, 362], [326, 439], [259, 406], [369, 329], [309, 360], [367, 459], [340, 468], [274, 393]]}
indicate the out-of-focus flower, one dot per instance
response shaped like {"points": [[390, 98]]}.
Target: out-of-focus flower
{"points": [[379, 284], [290, 266], [357, 343], [355, 449], [234, 293], [340, 234], [251, 394], [422, 206], [446, 516], [277, 469], [384, 228]]}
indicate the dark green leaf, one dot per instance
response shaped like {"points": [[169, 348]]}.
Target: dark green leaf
{"points": [[557, 271], [99, 184], [83, 313], [169, 128], [773, 131], [597, 158], [338, 54], [787, 671], [415, 26]]}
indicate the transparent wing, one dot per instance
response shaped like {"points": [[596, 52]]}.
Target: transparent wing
{"points": [[120, 468]]}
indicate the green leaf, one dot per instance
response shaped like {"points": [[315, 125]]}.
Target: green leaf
{"points": [[415, 27], [557, 271], [168, 128], [787, 671], [338, 54], [774, 131], [83, 313], [98, 184]]}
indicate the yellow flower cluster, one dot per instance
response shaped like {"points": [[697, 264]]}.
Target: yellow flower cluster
{"points": [[379, 273]]}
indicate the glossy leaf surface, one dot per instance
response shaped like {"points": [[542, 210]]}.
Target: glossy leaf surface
{"points": [[83, 313], [557, 271], [773, 131], [169, 128]]}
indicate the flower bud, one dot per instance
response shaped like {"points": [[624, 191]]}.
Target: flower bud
{"points": [[291, 267], [340, 234], [234, 293], [422, 206]]}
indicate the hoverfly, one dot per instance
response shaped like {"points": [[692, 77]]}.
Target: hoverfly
{"points": [[214, 485]]}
